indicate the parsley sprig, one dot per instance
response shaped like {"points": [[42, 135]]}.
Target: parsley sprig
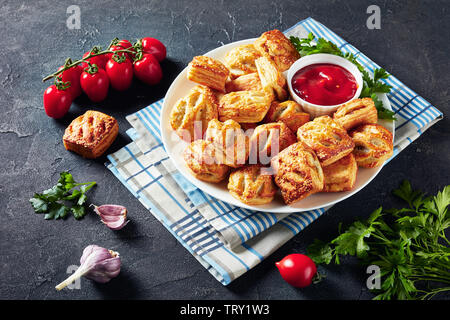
{"points": [[408, 244], [372, 85], [54, 201]]}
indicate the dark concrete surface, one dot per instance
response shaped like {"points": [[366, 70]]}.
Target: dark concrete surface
{"points": [[413, 44]]}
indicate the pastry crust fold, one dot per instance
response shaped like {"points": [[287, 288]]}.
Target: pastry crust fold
{"points": [[340, 175], [373, 145], [252, 185], [356, 112], [275, 46], [246, 82], [241, 60], [208, 72], [245, 106], [289, 112], [327, 138], [190, 115], [298, 173], [271, 77], [91, 134]]}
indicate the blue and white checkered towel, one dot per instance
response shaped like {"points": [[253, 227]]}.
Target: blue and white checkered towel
{"points": [[228, 240]]}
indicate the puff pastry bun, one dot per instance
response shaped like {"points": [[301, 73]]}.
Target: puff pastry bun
{"points": [[340, 175], [327, 138], [289, 112], [275, 46], [190, 115], [271, 77], [241, 60], [91, 134], [209, 72], [252, 185], [246, 82], [245, 106], [356, 112], [268, 140], [230, 141], [200, 158], [297, 172], [373, 145]]}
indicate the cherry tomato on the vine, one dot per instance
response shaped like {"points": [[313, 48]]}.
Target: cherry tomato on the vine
{"points": [[122, 44], [297, 269], [147, 69], [57, 102], [155, 47], [73, 75], [120, 72], [95, 84], [99, 61]]}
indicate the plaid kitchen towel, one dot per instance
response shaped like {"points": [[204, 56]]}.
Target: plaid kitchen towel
{"points": [[226, 240]]}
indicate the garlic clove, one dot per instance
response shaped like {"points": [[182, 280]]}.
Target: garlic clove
{"points": [[96, 263], [114, 216]]}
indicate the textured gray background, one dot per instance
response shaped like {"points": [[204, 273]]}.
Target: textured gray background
{"points": [[413, 44]]}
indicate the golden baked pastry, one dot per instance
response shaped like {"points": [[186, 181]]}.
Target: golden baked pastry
{"points": [[200, 158], [271, 77], [252, 185], [373, 145], [289, 112], [191, 114], [209, 72], [246, 82], [275, 46], [268, 140], [327, 138], [340, 175], [230, 141], [241, 60], [356, 112], [245, 106], [91, 134], [297, 172]]}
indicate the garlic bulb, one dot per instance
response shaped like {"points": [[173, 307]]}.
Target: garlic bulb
{"points": [[97, 263], [114, 216]]}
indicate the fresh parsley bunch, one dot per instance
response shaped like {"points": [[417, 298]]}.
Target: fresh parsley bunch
{"points": [[54, 201], [372, 85], [408, 244]]}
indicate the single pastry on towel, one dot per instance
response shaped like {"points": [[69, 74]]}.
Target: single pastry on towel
{"points": [[91, 134], [289, 112], [245, 106], [373, 145], [200, 158], [340, 175], [191, 114], [231, 142], [275, 46], [356, 112], [298, 172], [268, 140], [327, 138], [241, 60], [208, 72], [252, 185]]}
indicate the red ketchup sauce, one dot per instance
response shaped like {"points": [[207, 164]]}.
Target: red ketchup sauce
{"points": [[324, 84]]}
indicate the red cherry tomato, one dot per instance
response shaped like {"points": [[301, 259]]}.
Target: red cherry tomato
{"points": [[73, 75], [122, 44], [120, 73], [148, 69], [57, 102], [99, 60], [95, 85], [155, 47], [297, 269]]}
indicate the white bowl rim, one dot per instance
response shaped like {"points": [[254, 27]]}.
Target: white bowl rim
{"points": [[324, 58]]}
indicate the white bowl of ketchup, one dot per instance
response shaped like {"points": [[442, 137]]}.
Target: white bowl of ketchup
{"points": [[322, 82]]}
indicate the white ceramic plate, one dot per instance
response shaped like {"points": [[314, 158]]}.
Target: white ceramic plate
{"points": [[175, 147]]}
